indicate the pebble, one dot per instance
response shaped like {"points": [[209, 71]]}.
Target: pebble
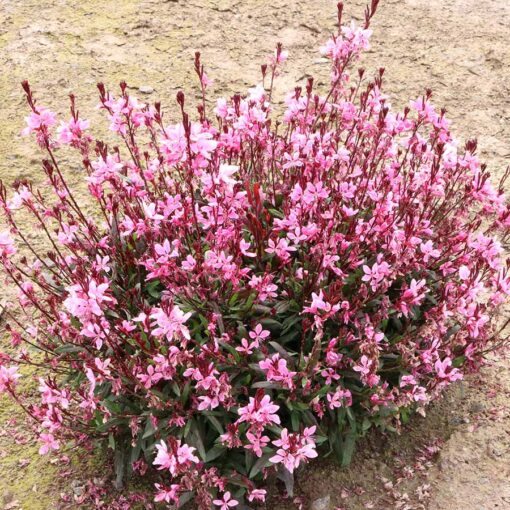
{"points": [[477, 407], [78, 487], [459, 420], [146, 89], [322, 503], [7, 497]]}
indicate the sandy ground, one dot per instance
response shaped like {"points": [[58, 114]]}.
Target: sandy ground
{"points": [[459, 48]]}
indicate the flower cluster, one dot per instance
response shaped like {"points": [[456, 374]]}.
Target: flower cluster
{"points": [[246, 290]]}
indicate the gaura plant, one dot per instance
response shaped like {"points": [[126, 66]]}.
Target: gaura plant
{"points": [[252, 293]]}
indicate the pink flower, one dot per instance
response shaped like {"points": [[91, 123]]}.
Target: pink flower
{"points": [[464, 273], [428, 251], [340, 398], [258, 334], [177, 458], [167, 494], [150, 378], [7, 247], [276, 370], [85, 303], [170, 325], [201, 142], [43, 119], [257, 495], [294, 448], [319, 304], [227, 502], [259, 411], [424, 108], [49, 443], [443, 372], [264, 286], [375, 274], [281, 249], [225, 174], [256, 443], [244, 246], [8, 378], [364, 365], [246, 347], [72, 131]]}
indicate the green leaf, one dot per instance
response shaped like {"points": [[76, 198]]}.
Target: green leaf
{"points": [[266, 384], [459, 361], [214, 453], [276, 214], [273, 325], [294, 418], [215, 423], [348, 448], [120, 466], [366, 424], [185, 498], [185, 393], [149, 430], [68, 348], [195, 439], [260, 464]]}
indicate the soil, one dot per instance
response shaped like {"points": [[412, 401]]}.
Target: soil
{"points": [[458, 457]]}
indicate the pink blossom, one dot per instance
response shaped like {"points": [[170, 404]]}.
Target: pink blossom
{"points": [[445, 372], [36, 121], [7, 247], [428, 251], [167, 494], [72, 131], [256, 443], [174, 456], [464, 273], [170, 324], [364, 365], [339, 399], [150, 378], [49, 443], [294, 448], [259, 411], [8, 378], [375, 274], [257, 495], [225, 174], [259, 334], [276, 370], [226, 502]]}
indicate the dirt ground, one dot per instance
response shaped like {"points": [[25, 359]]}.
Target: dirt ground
{"points": [[458, 48]]}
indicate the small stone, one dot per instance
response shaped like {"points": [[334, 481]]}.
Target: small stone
{"points": [[459, 420], [495, 452], [7, 497], [79, 490], [146, 89], [78, 487], [477, 407], [322, 503]]}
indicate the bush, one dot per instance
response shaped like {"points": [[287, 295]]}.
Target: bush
{"points": [[251, 289]]}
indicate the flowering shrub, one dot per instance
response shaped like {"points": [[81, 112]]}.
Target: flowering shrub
{"points": [[249, 289]]}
